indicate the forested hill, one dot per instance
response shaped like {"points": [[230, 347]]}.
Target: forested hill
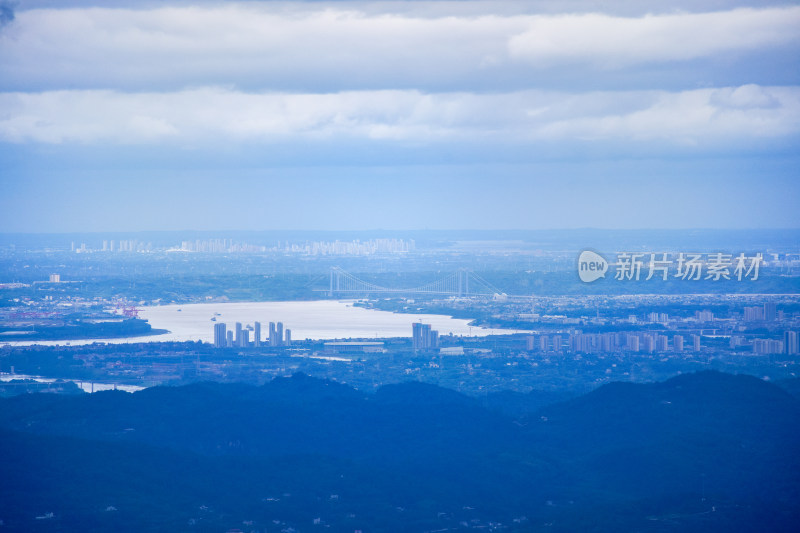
{"points": [[699, 452]]}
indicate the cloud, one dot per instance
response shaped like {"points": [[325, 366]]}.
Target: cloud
{"points": [[745, 97], [616, 42], [701, 117], [244, 45], [217, 117], [324, 48]]}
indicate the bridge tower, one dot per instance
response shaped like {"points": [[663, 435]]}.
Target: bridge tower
{"points": [[463, 282]]}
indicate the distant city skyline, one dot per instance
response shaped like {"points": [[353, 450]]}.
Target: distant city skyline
{"points": [[136, 115]]}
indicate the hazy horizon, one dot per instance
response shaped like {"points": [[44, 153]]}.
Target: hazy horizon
{"points": [[377, 232]]}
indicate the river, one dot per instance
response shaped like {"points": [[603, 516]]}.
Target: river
{"points": [[86, 386], [318, 320]]}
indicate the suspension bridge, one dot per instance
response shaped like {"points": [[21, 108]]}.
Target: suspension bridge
{"points": [[463, 283]]}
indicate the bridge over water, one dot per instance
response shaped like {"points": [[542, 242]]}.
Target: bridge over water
{"points": [[462, 283]]}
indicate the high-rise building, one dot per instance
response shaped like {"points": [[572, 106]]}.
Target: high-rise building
{"points": [[677, 343], [55, 278], [558, 343], [229, 339], [607, 343], [238, 337], [791, 343], [244, 339], [695, 343], [288, 337], [257, 334], [220, 338], [273, 336], [662, 343], [770, 311], [632, 343], [279, 333], [419, 335], [574, 343], [649, 344]]}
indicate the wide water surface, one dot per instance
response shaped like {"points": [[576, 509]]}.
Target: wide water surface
{"points": [[319, 319]]}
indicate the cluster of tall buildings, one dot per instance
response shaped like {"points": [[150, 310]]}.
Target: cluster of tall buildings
{"points": [[758, 313], [611, 342], [219, 246], [240, 336], [704, 316], [652, 342], [767, 313], [122, 245], [790, 345], [423, 337], [357, 247], [128, 245], [658, 318]]}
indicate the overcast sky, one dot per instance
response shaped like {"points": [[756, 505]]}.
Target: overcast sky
{"points": [[141, 115]]}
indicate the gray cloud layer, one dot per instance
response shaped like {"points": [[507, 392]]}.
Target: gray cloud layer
{"points": [[405, 73], [326, 48], [703, 117]]}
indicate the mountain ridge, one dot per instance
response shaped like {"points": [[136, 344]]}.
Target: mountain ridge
{"points": [[615, 458]]}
